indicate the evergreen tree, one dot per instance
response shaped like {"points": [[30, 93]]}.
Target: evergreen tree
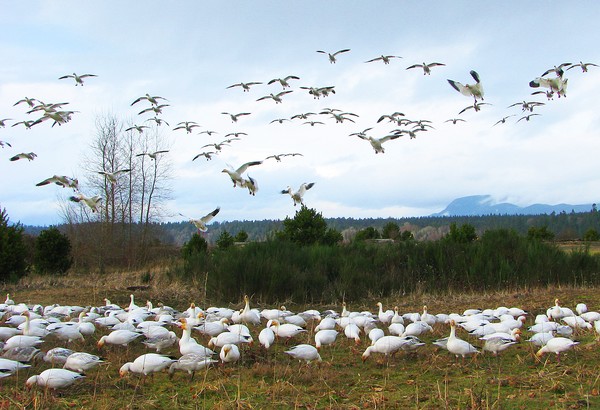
{"points": [[12, 249], [52, 252], [307, 228], [225, 240]]}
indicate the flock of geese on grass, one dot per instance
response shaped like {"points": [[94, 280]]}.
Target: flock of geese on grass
{"points": [[230, 333], [553, 81]]}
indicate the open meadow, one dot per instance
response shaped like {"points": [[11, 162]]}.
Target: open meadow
{"points": [[427, 378]]}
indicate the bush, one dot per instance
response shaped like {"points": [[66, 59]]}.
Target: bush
{"points": [[225, 240], [591, 235], [194, 246], [242, 236], [367, 233], [308, 228], [52, 252], [12, 250]]}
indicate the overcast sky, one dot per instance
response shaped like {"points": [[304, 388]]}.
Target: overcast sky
{"points": [[190, 52]]}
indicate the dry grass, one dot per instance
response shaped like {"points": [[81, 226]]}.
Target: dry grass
{"points": [[427, 379]]}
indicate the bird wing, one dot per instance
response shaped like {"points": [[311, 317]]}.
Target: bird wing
{"points": [[245, 166], [208, 217], [475, 76], [341, 51], [66, 76], [465, 109], [389, 137], [434, 64], [235, 85], [414, 66], [374, 59]]}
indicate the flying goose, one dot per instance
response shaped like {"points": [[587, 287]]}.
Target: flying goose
{"points": [[284, 81], [158, 121], [455, 120], [584, 66], [474, 90], [275, 97], [527, 117], [332, 56], [426, 67], [3, 143], [557, 85], [78, 78], [93, 202], [527, 105], [24, 155], [297, 196], [48, 108], [208, 155], [235, 134], [558, 70], [312, 123], [219, 145], [59, 117], [3, 123], [503, 120], [201, 223], [341, 117], [302, 116], [251, 184], [549, 94], [138, 128], [235, 117], [391, 117], [209, 132], [27, 123], [152, 99], [476, 106], [157, 109], [112, 176], [152, 155], [245, 86], [62, 180], [376, 143], [186, 125], [277, 157], [28, 101], [236, 175], [385, 59], [279, 120]]}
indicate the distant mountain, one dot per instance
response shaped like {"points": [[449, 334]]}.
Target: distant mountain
{"points": [[485, 205]]}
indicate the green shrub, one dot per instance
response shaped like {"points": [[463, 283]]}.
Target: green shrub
{"points": [[52, 252], [225, 240], [13, 251]]}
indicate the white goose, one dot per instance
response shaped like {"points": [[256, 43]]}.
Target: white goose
{"points": [[191, 363], [386, 345], [78, 78], [376, 143], [325, 337], [457, 346], [426, 67], [299, 194], [201, 222], [332, 56], [266, 337], [470, 90], [304, 352], [146, 364], [81, 362], [557, 345], [54, 379], [187, 344], [230, 353], [236, 175], [119, 337], [248, 315], [92, 202]]}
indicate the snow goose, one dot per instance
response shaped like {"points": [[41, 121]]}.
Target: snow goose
{"points": [[497, 345], [30, 156], [416, 329], [187, 344], [397, 318], [61, 180], [266, 337], [426, 67], [119, 337], [200, 223], [304, 352], [21, 341], [557, 345], [151, 99], [590, 316], [558, 312], [188, 126], [377, 143], [245, 86], [384, 58], [457, 346], [81, 362], [375, 334], [275, 97], [228, 337], [577, 322], [387, 345], [249, 316], [469, 90], [160, 342], [78, 78], [57, 355], [213, 328], [540, 339], [285, 330], [12, 366], [284, 81], [326, 323], [297, 196], [584, 66], [428, 317], [92, 202], [325, 337], [581, 308], [229, 353], [236, 175], [112, 176], [54, 379], [556, 85], [8, 332], [191, 363], [352, 331], [235, 117], [146, 364], [332, 56]]}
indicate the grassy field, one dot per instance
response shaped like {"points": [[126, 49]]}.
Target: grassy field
{"points": [[427, 379]]}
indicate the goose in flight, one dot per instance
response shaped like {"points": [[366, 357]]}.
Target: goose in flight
{"points": [[236, 175], [302, 116], [251, 184], [476, 106], [474, 90], [318, 92], [557, 85], [584, 66], [385, 59], [503, 120], [158, 121], [341, 117], [245, 86], [279, 120], [549, 94], [219, 145], [152, 155], [24, 155], [112, 176], [235, 117], [93, 202], [426, 67], [558, 70], [201, 223], [151, 99], [138, 128], [391, 117], [3, 143], [376, 143], [527, 117], [235, 134], [297, 196], [59, 117], [27, 123], [209, 132], [284, 81], [157, 109], [208, 155], [275, 97], [28, 101], [455, 120], [277, 157], [332, 56], [527, 105], [62, 180], [187, 126], [78, 78], [3, 123], [312, 123]]}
